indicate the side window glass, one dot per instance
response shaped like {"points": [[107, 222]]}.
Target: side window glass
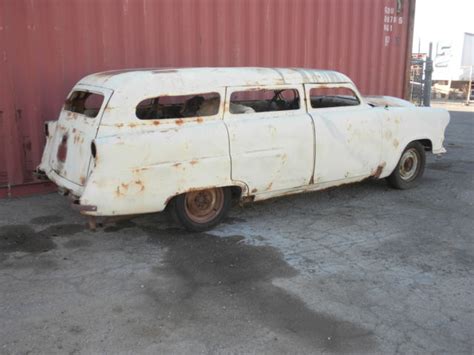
{"points": [[178, 106], [323, 97], [264, 100]]}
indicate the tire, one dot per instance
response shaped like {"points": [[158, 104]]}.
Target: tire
{"points": [[199, 211], [409, 168], [171, 211]]}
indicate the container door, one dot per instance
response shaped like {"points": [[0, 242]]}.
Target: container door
{"points": [[70, 148], [348, 133], [271, 137]]}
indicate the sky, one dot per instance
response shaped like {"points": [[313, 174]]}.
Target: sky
{"points": [[437, 20]]}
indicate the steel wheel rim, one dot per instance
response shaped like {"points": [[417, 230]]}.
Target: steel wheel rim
{"points": [[203, 206], [409, 163]]}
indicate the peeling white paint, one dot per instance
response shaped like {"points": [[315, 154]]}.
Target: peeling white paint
{"points": [[141, 164]]}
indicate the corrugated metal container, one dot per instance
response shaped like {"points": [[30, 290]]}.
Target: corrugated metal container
{"points": [[46, 46]]}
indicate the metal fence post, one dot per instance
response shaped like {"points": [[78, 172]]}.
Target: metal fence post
{"points": [[469, 88], [427, 81]]}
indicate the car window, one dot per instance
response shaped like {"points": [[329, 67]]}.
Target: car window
{"points": [[322, 97], [85, 103], [178, 106], [264, 100]]}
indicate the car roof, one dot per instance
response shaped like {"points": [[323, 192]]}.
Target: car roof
{"points": [[173, 79]]}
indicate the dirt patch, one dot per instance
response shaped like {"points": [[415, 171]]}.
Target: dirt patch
{"points": [[227, 283], [119, 225], [77, 243]]}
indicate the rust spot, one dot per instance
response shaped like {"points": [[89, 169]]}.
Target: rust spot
{"points": [[378, 171], [193, 162], [254, 191], [311, 181], [176, 165], [179, 122], [132, 125], [124, 186], [140, 183], [156, 122], [119, 125], [117, 191], [199, 120], [269, 187], [82, 179]]}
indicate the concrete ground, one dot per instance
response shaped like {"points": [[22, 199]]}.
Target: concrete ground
{"points": [[358, 269]]}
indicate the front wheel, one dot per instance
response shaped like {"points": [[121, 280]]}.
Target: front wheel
{"points": [[201, 210], [410, 167]]}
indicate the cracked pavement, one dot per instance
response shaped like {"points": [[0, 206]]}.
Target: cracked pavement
{"points": [[357, 269]]}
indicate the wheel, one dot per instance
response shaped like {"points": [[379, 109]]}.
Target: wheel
{"points": [[410, 167], [201, 210]]}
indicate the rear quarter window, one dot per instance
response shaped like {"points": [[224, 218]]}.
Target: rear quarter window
{"points": [[84, 103]]}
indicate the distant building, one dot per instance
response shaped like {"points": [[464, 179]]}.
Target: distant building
{"points": [[454, 59]]}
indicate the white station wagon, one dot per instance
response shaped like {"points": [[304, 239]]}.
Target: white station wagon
{"points": [[192, 140]]}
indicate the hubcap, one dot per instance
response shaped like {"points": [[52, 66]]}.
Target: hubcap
{"points": [[409, 164], [203, 206]]}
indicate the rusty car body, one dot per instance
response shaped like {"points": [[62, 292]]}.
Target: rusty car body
{"points": [[194, 138]]}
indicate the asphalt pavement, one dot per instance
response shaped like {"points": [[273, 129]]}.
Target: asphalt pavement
{"points": [[357, 269]]}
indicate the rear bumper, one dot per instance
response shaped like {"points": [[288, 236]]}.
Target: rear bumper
{"points": [[66, 188], [76, 205]]}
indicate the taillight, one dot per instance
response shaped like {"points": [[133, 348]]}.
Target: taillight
{"points": [[93, 149], [46, 129]]}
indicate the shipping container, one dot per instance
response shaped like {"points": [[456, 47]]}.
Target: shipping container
{"points": [[46, 46]]}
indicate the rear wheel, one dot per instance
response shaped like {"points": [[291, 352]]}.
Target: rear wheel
{"points": [[410, 167], [201, 210]]}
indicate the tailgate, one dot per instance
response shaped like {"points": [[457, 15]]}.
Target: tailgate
{"points": [[69, 149]]}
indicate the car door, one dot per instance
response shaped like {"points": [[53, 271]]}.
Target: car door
{"points": [[271, 139], [348, 133]]}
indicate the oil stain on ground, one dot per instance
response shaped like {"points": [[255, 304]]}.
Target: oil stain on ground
{"points": [[50, 219], [23, 238], [227, 284]]}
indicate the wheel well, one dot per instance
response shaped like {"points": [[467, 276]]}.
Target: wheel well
{"points": [[427, 144], [236, 192]]}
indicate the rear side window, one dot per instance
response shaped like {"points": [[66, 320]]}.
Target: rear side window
{"points": [[179, 106], [264, 100], [332, 97], [85, 103]]}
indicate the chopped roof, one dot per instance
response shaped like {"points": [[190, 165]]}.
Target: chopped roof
{"points": [[171, 78]]}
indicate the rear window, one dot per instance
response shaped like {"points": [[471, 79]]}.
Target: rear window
{"points": [[179, 106], [85, 103]]}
